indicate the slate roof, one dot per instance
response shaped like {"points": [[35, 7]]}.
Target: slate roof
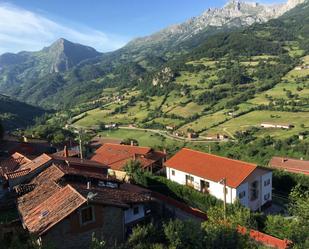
{"points": [[211, 167]]}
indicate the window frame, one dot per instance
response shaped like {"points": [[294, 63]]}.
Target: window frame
{"points": [[173, 172], [242, 194], [267, 182], [134, 208], [81, 215]]}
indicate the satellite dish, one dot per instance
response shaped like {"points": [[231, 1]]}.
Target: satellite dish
{"points": [[91, 195]]}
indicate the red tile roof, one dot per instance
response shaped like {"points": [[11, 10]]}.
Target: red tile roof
{"points": [[45, 186], [290, 164], [36, 162], [13, 163], [49, 198], [112, 196], [211, 167], [117, 155], [73, 161], [57, 207], [71, 153]]}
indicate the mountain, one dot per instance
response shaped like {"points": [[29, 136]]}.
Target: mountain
{"points": [[234, 14], [16, 114], [61, 56], [54, 78]]}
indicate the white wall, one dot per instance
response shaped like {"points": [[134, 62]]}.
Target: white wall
{"points": [[266, 189], [129, 215], [244, 200], [215, 189]]}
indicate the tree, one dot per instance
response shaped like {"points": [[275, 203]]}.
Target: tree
{"points": [[1, 131], [129, 141], [184, 234], [96, 243], [143, 237], [134, 171]]}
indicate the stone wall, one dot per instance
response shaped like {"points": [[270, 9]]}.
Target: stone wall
{"points": [[70, 234]]}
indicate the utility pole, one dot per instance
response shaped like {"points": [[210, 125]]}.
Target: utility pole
{"points": [[223, 181], [80, 144]]}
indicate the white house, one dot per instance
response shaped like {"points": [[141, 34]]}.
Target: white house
{"points": [[251, 184]]}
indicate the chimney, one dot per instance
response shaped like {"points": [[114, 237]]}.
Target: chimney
{"points": [[132, 143], [25, 139], [89, 185], [65, 151], [164, 151]]}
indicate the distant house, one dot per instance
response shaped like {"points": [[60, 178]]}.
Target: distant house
{"points": [[170, 127], [67, 153], [279, 126], [33, 147], [251, 184], [218, 136], [64, 209], [26, 171], [290, 164], [116, 156], [192, 135], [111, 126]]}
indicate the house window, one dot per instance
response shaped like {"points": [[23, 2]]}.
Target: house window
{"points": [[136, 210], [266, 182], [87, 215], [242, 194], [173, 172], [189, 181], [266, 197], [254, 194]]}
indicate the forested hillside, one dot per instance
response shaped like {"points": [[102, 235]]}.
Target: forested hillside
{"points": [[15, 114]]}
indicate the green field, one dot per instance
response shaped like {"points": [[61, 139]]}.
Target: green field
{"points": [[145, 138], [205, 122], [255, 118]]}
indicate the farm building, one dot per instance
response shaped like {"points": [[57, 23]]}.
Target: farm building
{"points": [[279, 126], [290, 164]]}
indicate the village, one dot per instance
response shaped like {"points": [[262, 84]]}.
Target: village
{"points": [[65, 196]]}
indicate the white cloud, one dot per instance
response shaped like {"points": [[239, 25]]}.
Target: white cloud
{"points": [[21, 29]]}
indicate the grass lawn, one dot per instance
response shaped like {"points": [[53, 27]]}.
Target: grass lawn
{"points": [[187, 111], [205, 122], [144, 138], [255, 118]]}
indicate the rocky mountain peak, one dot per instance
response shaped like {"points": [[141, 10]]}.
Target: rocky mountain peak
{"points": [[235, 13]]}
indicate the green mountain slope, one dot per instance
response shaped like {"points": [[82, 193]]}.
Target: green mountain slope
{"points": [[15, 114], [232, 82], [42, 78], [21, 74]]}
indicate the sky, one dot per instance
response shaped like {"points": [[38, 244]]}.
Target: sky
{"points": [[30, 25]]}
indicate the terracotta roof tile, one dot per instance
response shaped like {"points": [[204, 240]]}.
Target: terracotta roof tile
{"points": [[49, 212], [13, 163], [36, 162], [117, 155], [211, 167], [45, 186], [112, 196], [290, 164], [78, 162]]}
